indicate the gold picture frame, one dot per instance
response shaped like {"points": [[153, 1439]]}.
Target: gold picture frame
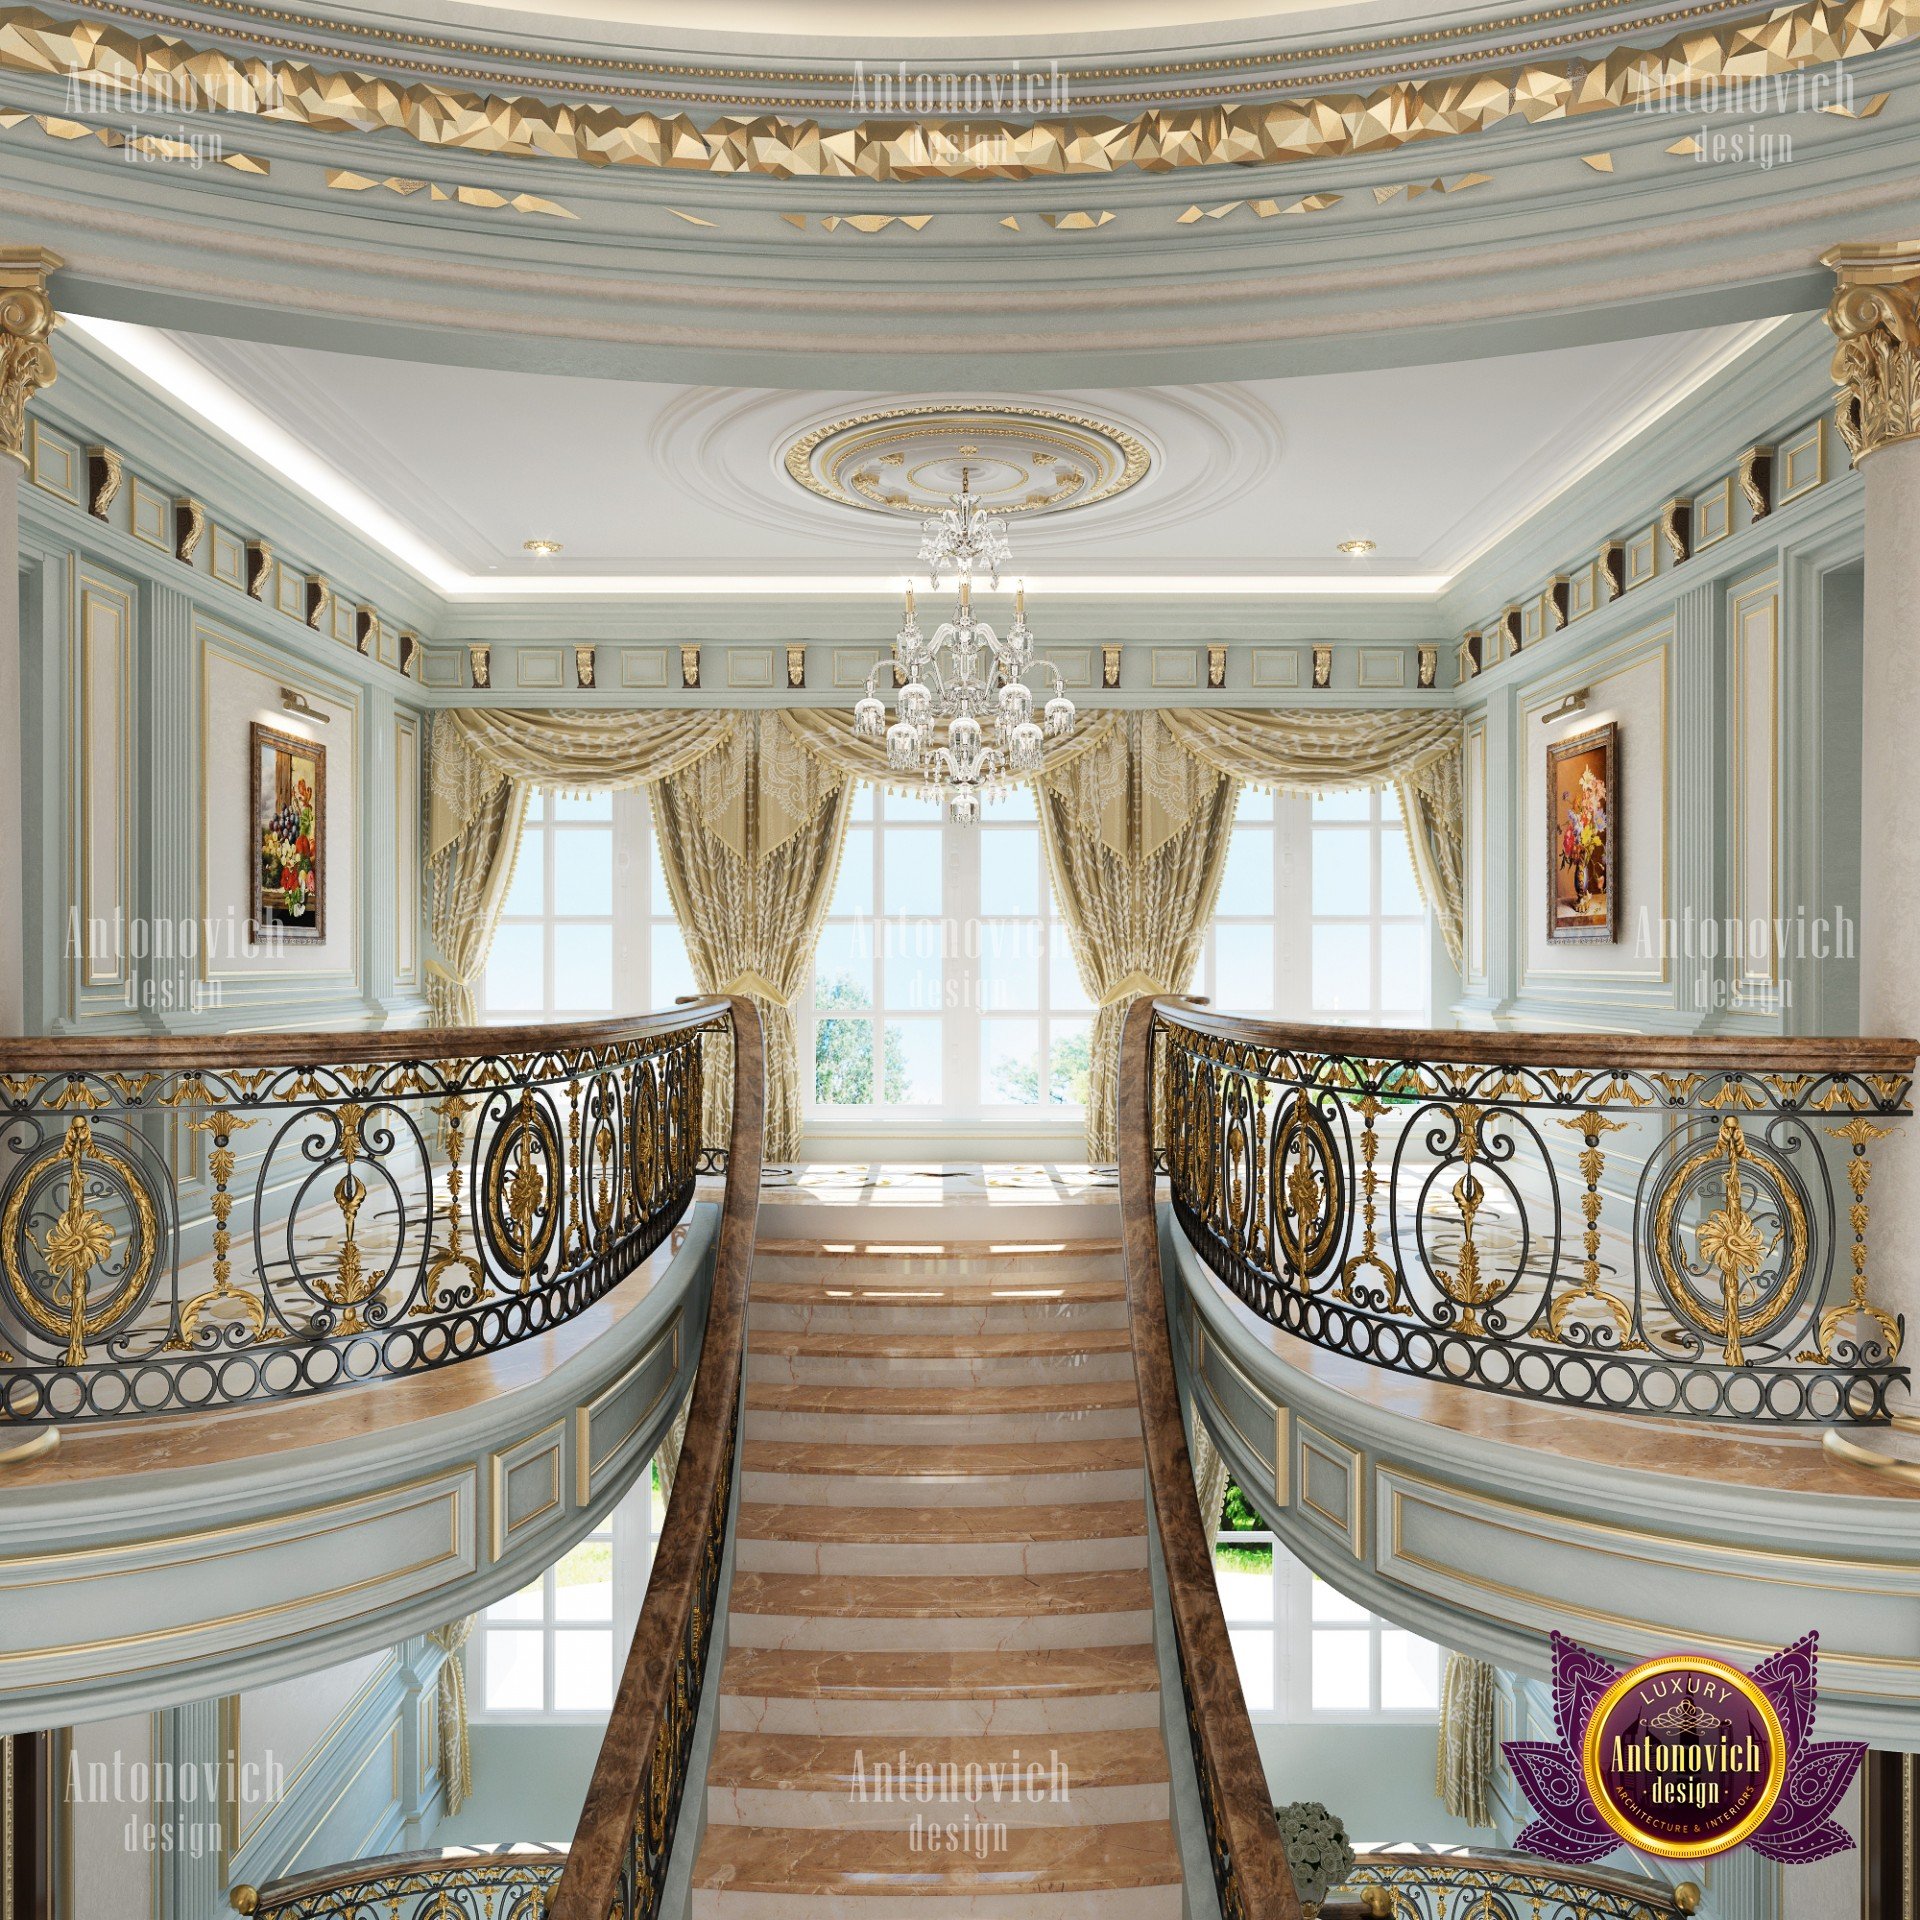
{"points": [[1583, 836]]}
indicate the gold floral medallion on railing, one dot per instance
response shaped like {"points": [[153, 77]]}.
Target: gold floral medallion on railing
{"points": [[1749, 1252], [79, 1238], [523, 1189], [1309, 1188]]}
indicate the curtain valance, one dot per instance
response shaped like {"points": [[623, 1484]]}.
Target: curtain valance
{"points": [[1414, 749], [475, 749]]}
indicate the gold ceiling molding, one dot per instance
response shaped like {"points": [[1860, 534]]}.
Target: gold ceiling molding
{"points": [[1261, 209], [1313, 126], [1390, 52], [1875, 316], [348, 182]]}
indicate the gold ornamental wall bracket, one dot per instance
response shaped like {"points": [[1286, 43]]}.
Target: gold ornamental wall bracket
{"points": [[27, 321]]}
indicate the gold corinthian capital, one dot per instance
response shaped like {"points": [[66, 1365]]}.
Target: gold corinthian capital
{"points": [[1875, 316], [27, 319]]}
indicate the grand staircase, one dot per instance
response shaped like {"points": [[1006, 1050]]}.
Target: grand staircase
{"points": [[940, 1695]]}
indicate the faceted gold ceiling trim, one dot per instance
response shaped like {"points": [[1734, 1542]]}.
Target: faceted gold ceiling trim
{"points": [[1021, 459], [1308, 127], [149, 146], [348, 182], [1262, 209]]}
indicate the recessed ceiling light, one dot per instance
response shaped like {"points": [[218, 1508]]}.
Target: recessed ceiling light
{"points": [[544, 548], [1356, 546]]}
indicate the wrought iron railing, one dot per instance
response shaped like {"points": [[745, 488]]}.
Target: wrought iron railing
{"points": [[617, 1867], [1671, 1227], [1419, 1884], [512, 1885], [194, 1224]]}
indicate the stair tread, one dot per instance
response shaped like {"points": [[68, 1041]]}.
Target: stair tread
{"points": [[881, 1290], [1064, 1396], [933, 1526], [822, 1762], [943, 1596], [907, 1248], [957, 1460], [943, 1346], [1034, 1673], [880, 1861]]}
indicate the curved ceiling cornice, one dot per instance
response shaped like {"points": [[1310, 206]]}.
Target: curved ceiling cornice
{"points": [[1397, 109]]}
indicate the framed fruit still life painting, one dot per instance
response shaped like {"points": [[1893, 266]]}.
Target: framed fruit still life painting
{"points": [[1583, 836], [289, 828]]}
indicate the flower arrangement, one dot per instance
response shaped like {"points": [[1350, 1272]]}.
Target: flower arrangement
{"points": [[1318, 1850], [287, 852]]}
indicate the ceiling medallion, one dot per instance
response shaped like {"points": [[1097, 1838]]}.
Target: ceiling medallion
{"points": [[1018, 460]]}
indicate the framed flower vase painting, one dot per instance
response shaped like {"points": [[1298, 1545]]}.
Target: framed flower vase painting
{"points": [[289, 828], [1583, 836]]}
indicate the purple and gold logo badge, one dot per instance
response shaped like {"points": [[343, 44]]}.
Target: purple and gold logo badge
{"points": [[1684, 1756]]}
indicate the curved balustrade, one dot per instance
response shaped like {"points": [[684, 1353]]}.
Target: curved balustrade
{"points": [[189, 1224], [617, 1867], [1249, 1858], [1492, 1885], [1671, 1227], [414, 1886]]}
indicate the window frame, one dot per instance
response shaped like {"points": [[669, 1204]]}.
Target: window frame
{"points": [[964, 932], [639, 905], [1293, 1629], [1290, 823], [632, 1529]]}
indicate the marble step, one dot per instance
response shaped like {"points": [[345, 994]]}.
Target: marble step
{"points": [[915, 1416], [900, 1315], [802, 1473], [1040, 1691], [874, 1541], [908, 1612], [819, 1780], [1028, 1358], [972, 1870], [906, 1260], [1014, 1286]]}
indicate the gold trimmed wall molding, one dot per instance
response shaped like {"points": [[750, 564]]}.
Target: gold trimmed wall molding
{"points": [[1875, 316], [1309, 126], [27, 321]]}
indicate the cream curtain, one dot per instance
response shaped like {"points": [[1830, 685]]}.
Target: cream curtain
{"points": [[1136, 832], [483, 764], [467, 879], [1415, 749], [750, 839], [1210, 1474], [456, 1751], [1463, 1768]]}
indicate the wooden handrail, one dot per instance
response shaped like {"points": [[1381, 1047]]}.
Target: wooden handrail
{"points": [[1504, 1047], [616, 1804], [93, 1053], [1250, 1859]]}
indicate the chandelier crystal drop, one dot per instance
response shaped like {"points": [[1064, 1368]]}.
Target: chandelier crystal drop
{"points": [[965, 720]]}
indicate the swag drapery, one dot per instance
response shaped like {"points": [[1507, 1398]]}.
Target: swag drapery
{"points": [[751, 812]]}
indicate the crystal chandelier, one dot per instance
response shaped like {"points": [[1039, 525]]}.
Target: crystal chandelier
{"points": [[964, 675]]}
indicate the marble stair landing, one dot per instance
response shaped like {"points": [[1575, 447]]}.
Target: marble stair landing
{"points": [[940, 1696]]}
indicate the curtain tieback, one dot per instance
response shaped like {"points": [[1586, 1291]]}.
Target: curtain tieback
{"points": [[1135, 986], [756, 986]]}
